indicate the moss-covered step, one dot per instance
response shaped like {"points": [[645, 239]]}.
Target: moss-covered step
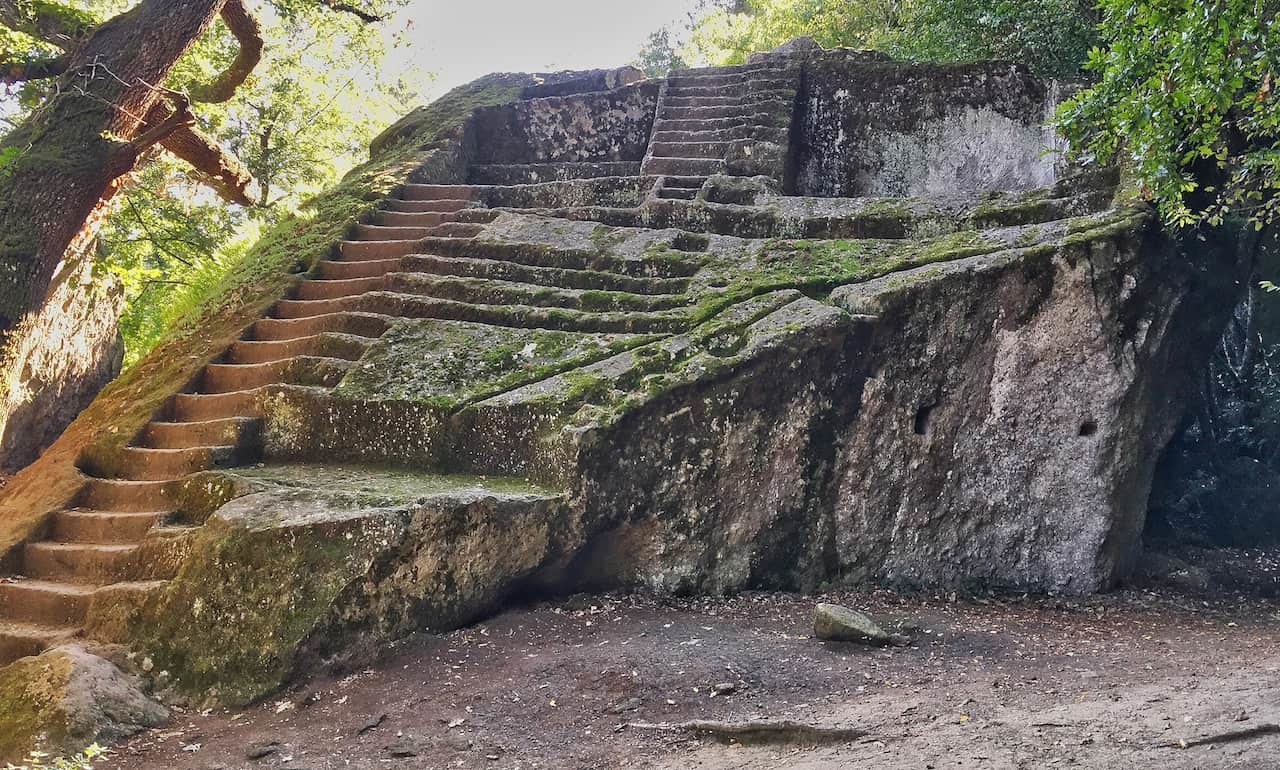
{"points": [[743, 208], [492, 291], [396, 404], [398, 305], [565, 278], [531, 429], [295, 572], [450, 363]]}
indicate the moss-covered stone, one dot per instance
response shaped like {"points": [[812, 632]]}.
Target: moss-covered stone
{"points": [[448, 363], [243, 294], [277, 575], [66, 699]]}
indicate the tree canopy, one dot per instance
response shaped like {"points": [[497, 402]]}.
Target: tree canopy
{"points": [[1051, 36], [1185, 92], [279, 118]]}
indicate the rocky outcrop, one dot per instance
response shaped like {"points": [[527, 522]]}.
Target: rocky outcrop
{"points": [[710, 390]]}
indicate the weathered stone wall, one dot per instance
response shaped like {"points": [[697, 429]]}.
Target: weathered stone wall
{"points": [[1014, 411], [594, 127], [896, 129], [989, 421]]}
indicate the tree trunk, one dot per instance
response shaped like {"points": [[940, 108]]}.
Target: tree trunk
{"points": [[57, 171]]}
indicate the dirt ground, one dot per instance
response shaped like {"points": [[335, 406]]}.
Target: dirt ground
{"points": [[1119, 681]]}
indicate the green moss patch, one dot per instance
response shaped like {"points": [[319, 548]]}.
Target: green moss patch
{"points": [[448, 363], [31, 691], [386, 486]]}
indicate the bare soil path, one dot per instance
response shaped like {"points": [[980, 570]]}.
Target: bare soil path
{"points": [[1109, 682]]}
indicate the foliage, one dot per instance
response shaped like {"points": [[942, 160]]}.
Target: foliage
{"points": [[1185, 93], [1051, 36], [660, 55], [303, 118], [82, 761], [727, 34]]}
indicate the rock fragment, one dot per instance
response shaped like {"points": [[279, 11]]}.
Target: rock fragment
{"points": [[834, 623]]}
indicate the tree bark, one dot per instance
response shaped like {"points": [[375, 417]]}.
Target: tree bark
{"points": [[59, 169]]}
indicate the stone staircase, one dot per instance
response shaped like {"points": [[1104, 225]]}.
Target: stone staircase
{"points": [[421, 260], [124, 534], [722, 120]]}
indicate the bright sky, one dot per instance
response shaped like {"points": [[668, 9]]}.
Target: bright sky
{"points": [[461, 40]]}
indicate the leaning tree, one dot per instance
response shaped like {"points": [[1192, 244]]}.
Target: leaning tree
{"points": [[105, 107]]}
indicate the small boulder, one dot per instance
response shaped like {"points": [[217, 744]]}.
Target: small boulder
{"points": [[834, 623], [65, 699]]}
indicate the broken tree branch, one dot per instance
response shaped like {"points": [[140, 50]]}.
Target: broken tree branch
{"points": [[124, 155], [246, 30], [760, 731], [219, 170]]}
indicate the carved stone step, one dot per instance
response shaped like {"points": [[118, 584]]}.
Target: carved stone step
{"points": [[435, 192], [683, 166], [488, 291], [742, 114], [85, 526], [527, 316], [147, 464], [538, 173], [731, 70], [392, 233], [348, 347], [357, 251], [312, 288], [114, 495], [745, 100], [19, 640], [358, 324], [677, 193], [685, 182], [716, 150], [698, 124], [759, 133], [546, 276], [45, 602], [727, 85], [157, 558], [446, 205], [413, 218], [80, 561], [231, 431], [199, 407], [333, 270], [299, 370]]}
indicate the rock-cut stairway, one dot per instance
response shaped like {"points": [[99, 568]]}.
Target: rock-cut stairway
{"points": [[421, 260], [123, 534], [721, 120]]}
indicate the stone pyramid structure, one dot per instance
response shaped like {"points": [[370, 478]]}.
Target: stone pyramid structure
{"points": [[820, 318]]}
